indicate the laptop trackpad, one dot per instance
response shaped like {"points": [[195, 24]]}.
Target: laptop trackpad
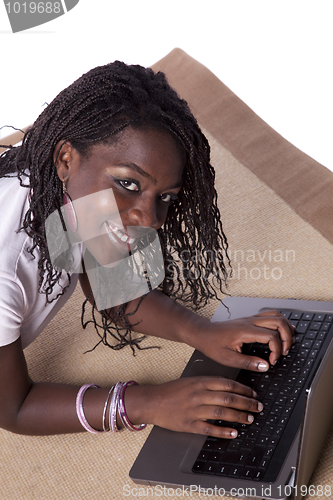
{"points": [[199, 366]]}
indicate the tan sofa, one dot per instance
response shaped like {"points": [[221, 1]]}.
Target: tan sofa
{"points": [[276, 206]]}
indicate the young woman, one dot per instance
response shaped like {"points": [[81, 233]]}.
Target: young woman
{"points": [[119, 133]]}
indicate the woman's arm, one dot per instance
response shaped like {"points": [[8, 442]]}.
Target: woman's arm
{"points": [[160, 316], [182, 405], [40, 408]]}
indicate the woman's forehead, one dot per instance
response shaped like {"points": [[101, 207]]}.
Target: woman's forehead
{"points": [[145, 151]]}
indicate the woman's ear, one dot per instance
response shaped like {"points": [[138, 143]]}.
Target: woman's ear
{"points": [[62, 157]]}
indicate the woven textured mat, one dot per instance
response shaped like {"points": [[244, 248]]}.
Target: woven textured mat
{"points": [[274, 252]]}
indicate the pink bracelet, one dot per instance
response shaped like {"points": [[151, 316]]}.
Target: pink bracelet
{"points": [[79, 409], [122, 411]]}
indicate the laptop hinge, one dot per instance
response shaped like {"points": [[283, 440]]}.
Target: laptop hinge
{"points": [[292, 477]]}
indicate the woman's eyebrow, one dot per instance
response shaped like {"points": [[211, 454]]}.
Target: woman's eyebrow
{"points": [[139, 170]]}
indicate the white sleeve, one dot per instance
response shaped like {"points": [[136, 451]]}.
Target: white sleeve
{"points": [[12, 307]]}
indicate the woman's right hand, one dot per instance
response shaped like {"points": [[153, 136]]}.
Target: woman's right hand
{"points": [[186, 404]]}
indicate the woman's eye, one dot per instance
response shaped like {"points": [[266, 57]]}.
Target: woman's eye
{"points": [[168, 198], [129, 185]]}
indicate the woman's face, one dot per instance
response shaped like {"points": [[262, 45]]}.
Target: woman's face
{"points": [[121, 189]]}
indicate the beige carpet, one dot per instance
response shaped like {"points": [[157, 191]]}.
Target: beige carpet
{"points": [[279, 248]]}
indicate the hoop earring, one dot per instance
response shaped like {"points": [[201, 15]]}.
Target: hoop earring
{"points": [[69, 209]]}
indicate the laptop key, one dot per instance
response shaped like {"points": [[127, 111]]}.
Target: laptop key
{"points": [[286, 314], [211, 468], [269, 451], [234, 458], [220, 445], [199, 466], [303, 326], [223, 470], [259, 474], [264, 463], [209, 444], [296, 315], [315, 325], [235, 445], [311, 334], [277, 431], [215, 457], [203, 455], [253, 433], [235, 471], [268, 430], [249, 473], [307, 316], [256, 456], [263, 440]]}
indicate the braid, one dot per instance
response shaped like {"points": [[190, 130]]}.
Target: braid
{"points": [[94, 109]]}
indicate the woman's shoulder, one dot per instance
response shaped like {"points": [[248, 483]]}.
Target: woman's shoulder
{"points": [[13, 195], [14, 202]]}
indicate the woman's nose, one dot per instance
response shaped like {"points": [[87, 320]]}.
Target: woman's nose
{"points": [[144, 214]]}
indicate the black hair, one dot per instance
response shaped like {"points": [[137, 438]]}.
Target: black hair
{"points": [[92, 110]]}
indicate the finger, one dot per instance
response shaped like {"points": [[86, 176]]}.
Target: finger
{"points": [[207, 429], [279, 342], [284, 327], [207, 412], [222, 411], [246, 362], [230, 400], [227, 414], [269, 312], [221, 384]]}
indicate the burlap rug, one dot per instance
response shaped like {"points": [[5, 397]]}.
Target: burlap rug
{"points": [[280, 246]]}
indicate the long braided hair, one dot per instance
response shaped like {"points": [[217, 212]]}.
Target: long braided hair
{"points": [[92, 110]]}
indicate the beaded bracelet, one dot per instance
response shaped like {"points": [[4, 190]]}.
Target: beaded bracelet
{"points": [[79, 409], [122, 411]]}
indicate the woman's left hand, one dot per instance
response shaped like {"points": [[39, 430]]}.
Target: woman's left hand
{"points": [[223, 341]]}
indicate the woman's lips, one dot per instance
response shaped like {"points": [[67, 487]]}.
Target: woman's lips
{"points": [[113, 231]]}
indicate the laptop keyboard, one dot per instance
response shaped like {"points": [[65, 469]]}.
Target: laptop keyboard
{"points": [[261, 447]]}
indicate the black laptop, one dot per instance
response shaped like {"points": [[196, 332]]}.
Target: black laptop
{"points": [[274, 456]]}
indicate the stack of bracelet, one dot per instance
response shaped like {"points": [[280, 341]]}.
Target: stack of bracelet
{"points": [[117, 406]]}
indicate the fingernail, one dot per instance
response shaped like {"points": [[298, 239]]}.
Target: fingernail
{"points": [[254, 394], [234, 434], [250, 418], [287, 352], [260, 406], [262, 367]]}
